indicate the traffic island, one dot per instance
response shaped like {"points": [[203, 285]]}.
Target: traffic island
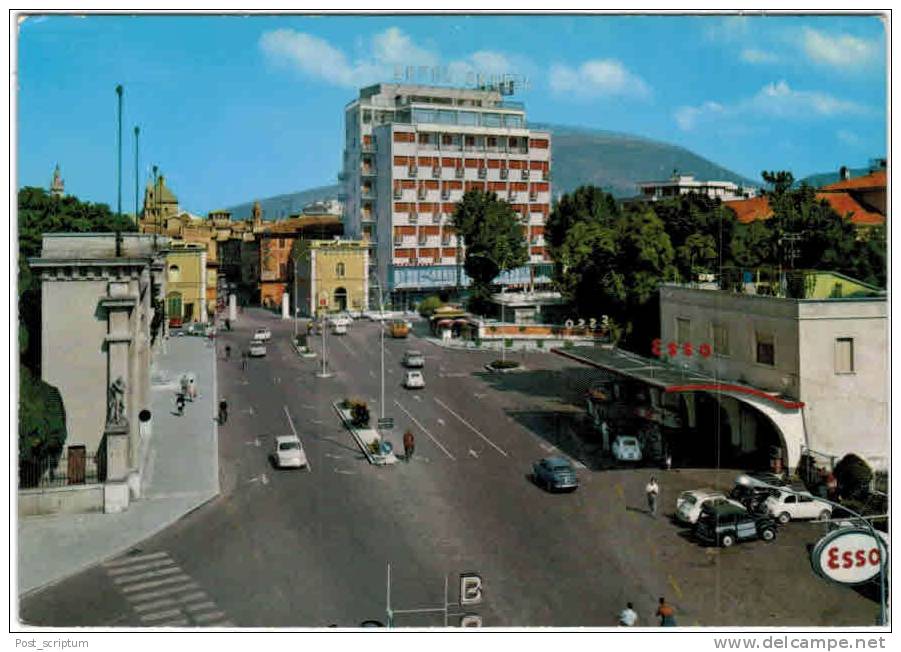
{"points": [[302, 348], [355, 416], [504, 366]]}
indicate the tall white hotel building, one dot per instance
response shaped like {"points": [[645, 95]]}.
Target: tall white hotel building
{"points": [[411, 151]]}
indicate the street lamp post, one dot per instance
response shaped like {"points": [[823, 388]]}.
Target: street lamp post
{"points": [[119, 90], [137, 134], [378, 285]]}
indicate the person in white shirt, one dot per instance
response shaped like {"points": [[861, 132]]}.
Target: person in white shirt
{"points": [[652, 491], [628, 617]]}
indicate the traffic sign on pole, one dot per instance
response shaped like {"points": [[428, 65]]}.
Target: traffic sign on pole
{"points": [[386, 424]]}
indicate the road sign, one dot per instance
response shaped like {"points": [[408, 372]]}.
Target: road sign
{"points": [[470, 589], [386, 424], [848, 556]]}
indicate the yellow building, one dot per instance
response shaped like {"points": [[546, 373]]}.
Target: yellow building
{"points": [[331, 276], [186, 283]]}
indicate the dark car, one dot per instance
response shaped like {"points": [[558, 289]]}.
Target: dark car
{"points": [[754, 487], [555, 474], [725, 524]]}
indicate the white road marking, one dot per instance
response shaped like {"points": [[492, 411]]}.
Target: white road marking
{"points": [[307, 406], [421, 427], [201, 606], [371, 373], [334, 457], [159, 563], [473, 453], [134, 588], [173, 623], [133, 560], [202, 618], [417, 398], [480, 396], [471, 427], [440, 422], [190, 586], [294, 430], [161, 615], [317, 421], [390, 370], [160, 572], [166, 602], [349, 350], [264, 479], [343, 472]]}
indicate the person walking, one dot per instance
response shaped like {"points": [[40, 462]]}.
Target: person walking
{"points": [[666, 614], [223, 412], [628, 617], [228, 352], [243, 360], [652, 490], [409, 445], [180, 403]]}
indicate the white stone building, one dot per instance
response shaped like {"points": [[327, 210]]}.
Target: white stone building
{"points": [[411, 152], [683, 184]]}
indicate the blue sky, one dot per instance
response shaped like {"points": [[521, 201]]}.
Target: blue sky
{"points": [[234, 108]]}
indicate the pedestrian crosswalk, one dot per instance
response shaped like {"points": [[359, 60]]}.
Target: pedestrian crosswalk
{"points": [[161, 594]]}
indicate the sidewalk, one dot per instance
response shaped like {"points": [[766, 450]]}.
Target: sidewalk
{"points": [[181, 472]]}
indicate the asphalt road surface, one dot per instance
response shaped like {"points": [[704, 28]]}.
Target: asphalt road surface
{"points": [[290, 548]]}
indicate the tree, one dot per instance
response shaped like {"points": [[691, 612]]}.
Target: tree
{"points": [[752, 244], [42, 426], [585, 204], [494, 241], [590, 277], [698, 253]]}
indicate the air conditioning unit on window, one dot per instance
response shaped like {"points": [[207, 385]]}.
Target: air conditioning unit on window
{"points": [[421, 194], [483, 172], [458, 173], [505, 173], [414, 217], [436, 217], [533, 196], [445, 194], [412, 171], [398, 193], [436, 172], [525, 175]]}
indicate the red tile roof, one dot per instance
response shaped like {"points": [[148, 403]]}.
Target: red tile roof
{"points": [[872, 180], [758, 208]]}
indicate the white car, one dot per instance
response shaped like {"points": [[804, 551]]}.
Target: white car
{"points": [[414, 360], [289, 453], [339, 328], [262, 335], [788, 505], [257, 350], [690, 503], [414, 380], [626, 449]]}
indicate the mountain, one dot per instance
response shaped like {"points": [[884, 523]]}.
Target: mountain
{"points": [[284, 205], [825, 178], [610, 160]]}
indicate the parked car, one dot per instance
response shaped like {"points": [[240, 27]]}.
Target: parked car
{"points": [[790, 505], [262, 335], [626, 449], [555, 474], [289, 453], [752, 489], [726, 524], [256, 350], [761, 479], [414, 360], [414, 380], [339, 328], [689, 504]]}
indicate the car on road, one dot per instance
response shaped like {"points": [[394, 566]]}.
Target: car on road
{"points": [[786, 506], [414, 380], [689, 504], [555, 474], [256, 350], [399, 328], [289, 453], [726, 524], [262, 335], [339, 328], [752, 489], [414, 360], [626, 449]]}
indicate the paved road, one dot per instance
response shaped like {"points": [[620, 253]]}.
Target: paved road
{"points": [[294, 548]]}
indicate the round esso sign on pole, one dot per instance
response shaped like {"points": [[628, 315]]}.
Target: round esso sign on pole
{"points": [[848, 556]]}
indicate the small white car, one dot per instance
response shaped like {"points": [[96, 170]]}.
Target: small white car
{"points": [[339, 328], [289, 453], [626, 449], [414, 380], [689, 504], [256, 350], [788, 505], [414, 360], [262, 335]]}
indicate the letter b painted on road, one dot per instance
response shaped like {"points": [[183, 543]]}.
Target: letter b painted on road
{"points": [[470, 589]]}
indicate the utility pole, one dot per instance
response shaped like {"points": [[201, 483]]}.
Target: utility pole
{"points": [[119, 90], [137, 135]]}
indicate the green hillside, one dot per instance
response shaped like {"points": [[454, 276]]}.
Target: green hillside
{"points": [[613, 161]]}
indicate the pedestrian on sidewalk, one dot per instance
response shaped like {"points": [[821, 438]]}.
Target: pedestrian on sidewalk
{"points": [[628, 617], [409, 445], [667, 614], [223, 412], [652, 490], [228, 352], [180, 403]]}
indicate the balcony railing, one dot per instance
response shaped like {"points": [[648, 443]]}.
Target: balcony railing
{"points": [[367, 193]]}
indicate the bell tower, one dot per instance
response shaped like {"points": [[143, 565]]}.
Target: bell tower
{"points": [[57, 187]]}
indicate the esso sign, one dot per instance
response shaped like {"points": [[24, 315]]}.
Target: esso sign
{"points": [[848, 556]]}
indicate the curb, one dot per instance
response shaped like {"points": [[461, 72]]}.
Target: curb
{"points": [[379, 460]]}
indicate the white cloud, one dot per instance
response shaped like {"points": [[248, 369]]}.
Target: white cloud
{"points": [[598, 78], [776, 99], [752, 55], [838, 50], [385, 56]]}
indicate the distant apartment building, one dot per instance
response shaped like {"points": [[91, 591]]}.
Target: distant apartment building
{"points": [[684, 184], [411, 151]]}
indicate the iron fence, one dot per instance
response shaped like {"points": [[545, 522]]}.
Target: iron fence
{"points": [[72, 468]]}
